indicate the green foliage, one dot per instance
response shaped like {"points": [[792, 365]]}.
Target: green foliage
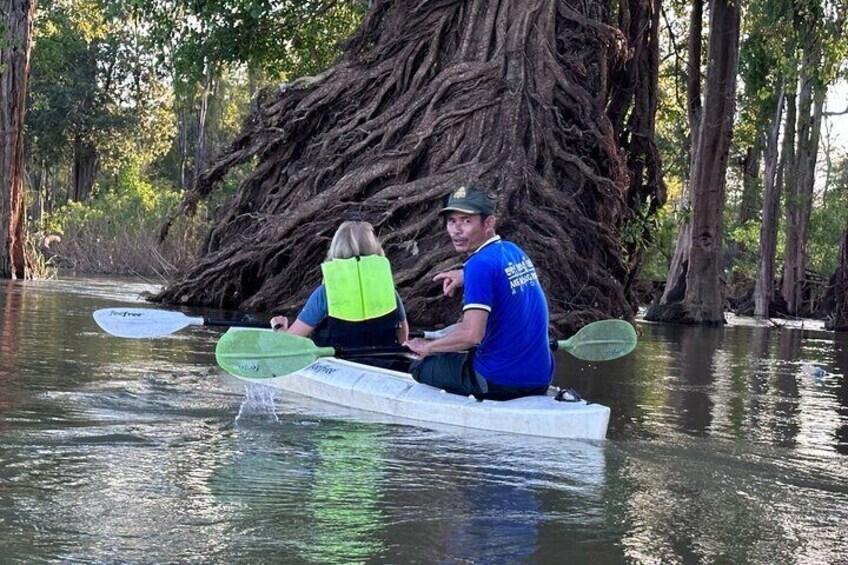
{"points": [[280, 39], [672, 136], [827, 223], [672, 120], [116, 232], [126, 79], [92, 83], [130, 201], [226, 50], [3, 43], [658, 253], [652, 236], [743, 244]]}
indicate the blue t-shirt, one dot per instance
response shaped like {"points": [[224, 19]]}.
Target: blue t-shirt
{"points": [[315, 309], [501, 279]]}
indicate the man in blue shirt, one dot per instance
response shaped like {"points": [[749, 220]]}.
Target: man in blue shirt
{"points": [[505, 313]]}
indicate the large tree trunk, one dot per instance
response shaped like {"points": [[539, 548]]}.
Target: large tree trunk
{"points": [[510, 94], [16, 17], [764, 288], [703, 301]]}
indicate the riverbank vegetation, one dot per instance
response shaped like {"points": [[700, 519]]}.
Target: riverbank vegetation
{"points": [[267, 123]]}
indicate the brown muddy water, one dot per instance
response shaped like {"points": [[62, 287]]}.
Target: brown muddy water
{"points": [[721, 449]]}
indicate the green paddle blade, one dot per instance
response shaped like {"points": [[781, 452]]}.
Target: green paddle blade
{"points": [[263, 354], [601, 341]]}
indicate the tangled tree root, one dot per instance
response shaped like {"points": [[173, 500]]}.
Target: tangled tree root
{"points": [[429, 95]]}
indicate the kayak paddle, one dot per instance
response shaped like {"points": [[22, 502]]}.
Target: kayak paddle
{"points": [[261, 354], [149, 322], [603, 340], [265, 354]]}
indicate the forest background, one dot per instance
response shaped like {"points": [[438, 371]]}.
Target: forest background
{"points": [[129, 100]]}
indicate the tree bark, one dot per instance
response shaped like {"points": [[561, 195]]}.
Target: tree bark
{"points": [[633, 116], [839, 287], [17, 18], [509, 94], [750, 204], [800, 196], [764, 287], [703, 301]]}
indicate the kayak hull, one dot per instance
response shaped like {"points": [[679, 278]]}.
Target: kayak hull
{"points": [[396, 394]]}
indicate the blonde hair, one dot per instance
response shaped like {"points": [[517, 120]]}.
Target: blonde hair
{"points": [[354, 239]]}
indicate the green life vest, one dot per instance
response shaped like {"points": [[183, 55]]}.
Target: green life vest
{"points": [[359, 288]]}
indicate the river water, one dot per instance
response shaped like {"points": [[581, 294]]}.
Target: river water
{"points": [[721, 449]]}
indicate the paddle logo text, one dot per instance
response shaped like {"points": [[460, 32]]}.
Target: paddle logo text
{"points": [[249, 366], [125, 314], [321, 369]]}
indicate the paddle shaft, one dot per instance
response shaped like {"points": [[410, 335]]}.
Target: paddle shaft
{"points": [[235, 323], [344, 352], [554, 344], [353, 352]]}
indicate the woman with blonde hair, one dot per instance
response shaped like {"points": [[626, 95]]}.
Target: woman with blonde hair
{"points": [[356, 304]]}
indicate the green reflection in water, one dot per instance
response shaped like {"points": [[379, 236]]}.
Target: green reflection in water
{"points": [[344, 501]]}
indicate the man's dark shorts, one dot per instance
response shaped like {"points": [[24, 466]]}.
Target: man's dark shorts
{"points": [[454, 373]]}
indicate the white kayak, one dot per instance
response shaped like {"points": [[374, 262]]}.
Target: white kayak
{"points": [[396, 394]]}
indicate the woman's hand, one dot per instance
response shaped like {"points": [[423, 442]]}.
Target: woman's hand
{"points": [[451, 280], [279, 323]]}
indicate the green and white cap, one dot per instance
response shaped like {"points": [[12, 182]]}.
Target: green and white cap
{"points": [[469, 200]]}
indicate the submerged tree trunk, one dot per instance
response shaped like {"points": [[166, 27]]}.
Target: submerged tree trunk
{"points": [[16, 17], [508, 94], [703, 300], [764, 288]]}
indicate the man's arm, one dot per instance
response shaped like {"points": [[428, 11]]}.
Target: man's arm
{"points": [[468, 333]]}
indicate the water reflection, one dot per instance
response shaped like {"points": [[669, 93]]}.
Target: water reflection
{"points": [[344, 492], [740, 382], [840, 434]]}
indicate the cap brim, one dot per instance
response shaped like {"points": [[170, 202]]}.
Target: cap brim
{"points": [[455, 209]]}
